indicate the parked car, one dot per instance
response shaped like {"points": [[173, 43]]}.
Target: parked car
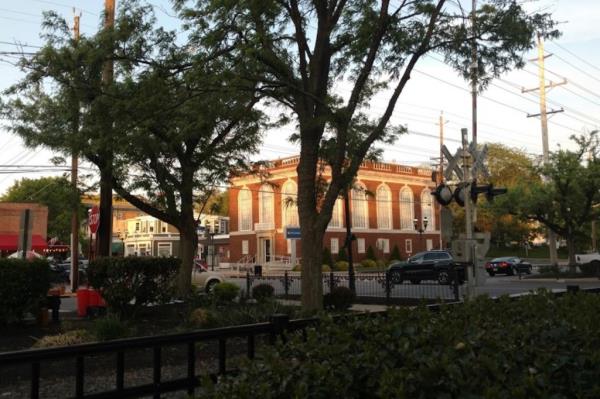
{"points": [[509, 265], [206, 280], [592, 258], [430, 265]]}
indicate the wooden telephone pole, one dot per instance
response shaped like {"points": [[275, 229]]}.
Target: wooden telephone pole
{"points": [[74, 172], [104, 234], [544, 120]]}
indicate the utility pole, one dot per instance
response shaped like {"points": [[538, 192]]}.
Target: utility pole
{"points": [[104, 241], [441, 124], [544, 120], [74, 172], [474, 70]]}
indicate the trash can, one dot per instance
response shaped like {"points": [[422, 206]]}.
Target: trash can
{"points": [[258, 270], [83, 301]]}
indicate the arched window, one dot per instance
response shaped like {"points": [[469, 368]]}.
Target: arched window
{"points": [[245, 210], [266, 202], [360, 210], [384, 207], [289, 204], [337, 214], [427, 210], [406, 209]]}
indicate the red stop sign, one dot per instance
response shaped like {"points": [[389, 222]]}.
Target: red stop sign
{"points": [[94, 219]]}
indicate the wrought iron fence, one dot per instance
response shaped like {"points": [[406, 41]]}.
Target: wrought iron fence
{"points": [[371, 287]]}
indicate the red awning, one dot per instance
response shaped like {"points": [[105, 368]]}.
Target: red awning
{"points": [[10, 242]]}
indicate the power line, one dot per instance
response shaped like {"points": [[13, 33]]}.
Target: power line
{"points": [[577, 68], [55, 3], [576, 56]]}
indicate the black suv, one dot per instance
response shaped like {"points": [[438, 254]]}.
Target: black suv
{"points": [[429, 265]]}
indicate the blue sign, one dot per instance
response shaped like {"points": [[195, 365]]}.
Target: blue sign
{"points": [[292, 233]]}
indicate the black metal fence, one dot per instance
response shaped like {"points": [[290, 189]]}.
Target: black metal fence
{"points": [[371, 287], [37, 359]]}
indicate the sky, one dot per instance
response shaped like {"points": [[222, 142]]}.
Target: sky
{"points": [[433, 88]]}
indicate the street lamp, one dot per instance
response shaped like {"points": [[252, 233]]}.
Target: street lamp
{"points": [[421, 229]]}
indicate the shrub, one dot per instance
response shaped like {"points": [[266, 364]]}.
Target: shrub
{"points": [[262, 292], [69, 338], [340, 299], [109, 328], [24, 285], [130, 283], [342, 255], [371, 253], [327, 258], [203, 318], [381, 264], [417, 353], [395, 255], [341, 266], [369, 263], [225, 292], [297, 267], [325, 268]]}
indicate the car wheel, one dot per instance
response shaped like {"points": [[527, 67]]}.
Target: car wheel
{"points": [[396, 277], [415, 281], [492, 274], [210, 286], [513, 271], [528, 270], [443, 277]]}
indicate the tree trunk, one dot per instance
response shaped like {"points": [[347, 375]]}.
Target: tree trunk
{"points": [[312, 282], [104, 233], [571, 249], [189, 243]]}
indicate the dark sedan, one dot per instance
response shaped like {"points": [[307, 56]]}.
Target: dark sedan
{"points": [[509, 265], [430, 265]]}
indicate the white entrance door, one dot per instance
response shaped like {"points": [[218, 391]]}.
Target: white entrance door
{"points": [[265, 250]]}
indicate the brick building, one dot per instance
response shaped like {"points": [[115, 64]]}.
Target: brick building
{"points": [[10, 222], [387, 202]]}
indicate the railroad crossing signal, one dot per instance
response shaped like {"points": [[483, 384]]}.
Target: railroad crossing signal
{"points": [[453, 166]]}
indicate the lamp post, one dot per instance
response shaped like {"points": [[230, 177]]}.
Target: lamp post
{"points": [[421, 229]]}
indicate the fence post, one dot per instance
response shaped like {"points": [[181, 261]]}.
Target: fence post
{"points": [[279, 324], [387, 288], [286, 285], [248, 284], [331, 282], [456, 284]]}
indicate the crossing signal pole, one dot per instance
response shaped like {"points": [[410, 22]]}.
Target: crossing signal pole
{"points": [[543, 114]]}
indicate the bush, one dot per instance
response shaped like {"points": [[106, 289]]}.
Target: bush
{"points": [[203, 318], [342, 255], [381, 264], [395, 255], [371, 253], [341, 266], [327, 258], [74, 337], [340, 299], [325, 268], [109, 328], [130, 283], [549, 348], [297, 267], [262, 292], [24, 285], [368, 263], [225, 292]]}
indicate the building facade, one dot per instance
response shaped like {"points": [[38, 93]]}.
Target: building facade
{"points": [[148, 236], [390, 205], [10, 225]]}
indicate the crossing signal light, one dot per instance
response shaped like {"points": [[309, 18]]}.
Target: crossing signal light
{"points": [[443, 194]]}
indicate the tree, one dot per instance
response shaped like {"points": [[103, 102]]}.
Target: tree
{"points": [[307, 48], [57, 194], [182, 121], [566, 201]]}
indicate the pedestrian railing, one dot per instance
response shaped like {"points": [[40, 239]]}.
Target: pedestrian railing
{"points": [[36, 358]]}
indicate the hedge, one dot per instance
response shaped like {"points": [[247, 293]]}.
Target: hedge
{"points": [[536, 347], [24, 285], [128, 283]]}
